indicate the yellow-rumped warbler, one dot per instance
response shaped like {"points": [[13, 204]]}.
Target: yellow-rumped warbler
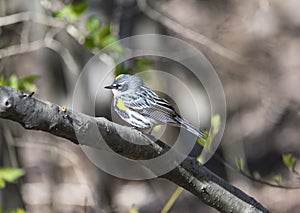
{"points": [[142, 108]]}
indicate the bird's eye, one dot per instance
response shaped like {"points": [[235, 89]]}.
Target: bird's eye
{"points": [[119, 86], [115, 86]]}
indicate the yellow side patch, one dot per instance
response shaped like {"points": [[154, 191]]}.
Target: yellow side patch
{"points": [[119, 76], [120, 105]]}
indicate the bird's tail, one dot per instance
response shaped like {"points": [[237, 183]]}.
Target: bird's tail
{"points": [[189, 127]]}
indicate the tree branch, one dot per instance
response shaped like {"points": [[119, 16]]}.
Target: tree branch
{"points": [[48, 42], [29, 16], [36, 114]]}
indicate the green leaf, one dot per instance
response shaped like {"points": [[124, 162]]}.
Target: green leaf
{"points": [[120, 69], [1, 209], [240, 163], [205, 139], [11, 174], [215, 123], [20, 211], [58, 14], [30, 78], [17, 211], [71, 12], [92, 24], [89, 42], [277, 178], [27, 83], [2, 183], [143, 64], [209, 136], [289, 161], [110, 39], [28, 87], [111, 43], [157, 128], [79, 8], [117, 48], [201, 141], [105, 31], [13, 82], [2, 81], [133, 209]]}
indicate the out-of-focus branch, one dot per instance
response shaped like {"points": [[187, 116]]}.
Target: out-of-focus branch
{"points": [[34, 17], [47, 42], [36, 114], [25, 33], [43, 19], [189, 34], [39, 44], [20, 49], [65, 55]]}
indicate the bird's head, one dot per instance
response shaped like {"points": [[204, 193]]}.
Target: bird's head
{"points": [[125, 83]]}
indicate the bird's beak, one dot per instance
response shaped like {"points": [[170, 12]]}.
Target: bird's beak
{"points": [[109, 87]]}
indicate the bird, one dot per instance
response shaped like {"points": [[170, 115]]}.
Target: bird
{"points": [[142, 108]]}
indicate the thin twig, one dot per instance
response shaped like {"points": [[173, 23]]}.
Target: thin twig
{"points": [[48, 42], [45, 20], [20, 49], [25, 33], [189, 34], [74, 32], [39, 18], [250, 177], [172, 200]]}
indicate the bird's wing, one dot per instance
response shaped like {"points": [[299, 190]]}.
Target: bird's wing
{"points": [[149, 104]]}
